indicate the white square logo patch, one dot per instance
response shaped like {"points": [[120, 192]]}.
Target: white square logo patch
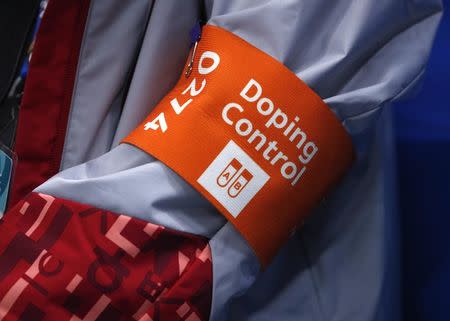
{"points": [[233, 178]]}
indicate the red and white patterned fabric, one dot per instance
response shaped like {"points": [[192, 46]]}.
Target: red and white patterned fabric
{"points": [[60, 260]]}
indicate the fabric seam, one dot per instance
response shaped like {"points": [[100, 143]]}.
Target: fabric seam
{"points": [[391, 99], [408, 83], [75, 86], [320, 315]]}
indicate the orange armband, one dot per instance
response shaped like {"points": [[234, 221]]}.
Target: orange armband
{"points": [[250, 136]]}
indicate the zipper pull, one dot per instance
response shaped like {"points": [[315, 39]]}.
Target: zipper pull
{"points": [[196, 35]]}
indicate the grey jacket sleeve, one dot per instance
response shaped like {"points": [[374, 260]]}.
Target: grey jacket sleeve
{"points": [[359, 56]]}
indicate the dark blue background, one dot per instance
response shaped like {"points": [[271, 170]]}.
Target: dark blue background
{"points": [[423, 141]]}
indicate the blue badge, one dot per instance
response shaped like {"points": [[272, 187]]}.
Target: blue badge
{"points": [[6, 167]]}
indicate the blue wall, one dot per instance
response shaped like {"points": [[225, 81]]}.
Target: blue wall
{"points": [[423, 141]]}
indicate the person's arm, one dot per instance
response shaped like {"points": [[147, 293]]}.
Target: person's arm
{"points": [[356, 56]]}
